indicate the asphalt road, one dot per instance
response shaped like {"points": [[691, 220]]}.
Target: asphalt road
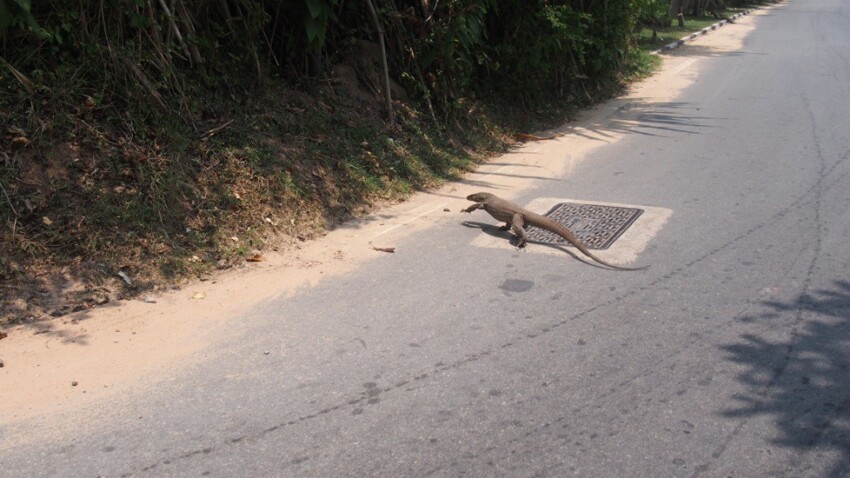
{"points": [[728, 357]]}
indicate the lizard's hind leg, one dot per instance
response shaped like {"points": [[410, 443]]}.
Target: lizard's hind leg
{"points": [[517, 223], [515, 238]]}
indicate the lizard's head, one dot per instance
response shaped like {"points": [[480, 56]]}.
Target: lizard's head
{"points": [[478, 197]]}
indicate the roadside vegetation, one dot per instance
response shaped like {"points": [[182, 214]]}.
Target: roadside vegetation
{"points": [[658, 30], [149, 142]]}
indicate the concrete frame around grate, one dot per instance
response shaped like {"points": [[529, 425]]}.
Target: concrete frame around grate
{"points": [[625, 250]]}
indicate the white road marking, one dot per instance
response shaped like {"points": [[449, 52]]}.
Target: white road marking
{"points": [[684, 65]]}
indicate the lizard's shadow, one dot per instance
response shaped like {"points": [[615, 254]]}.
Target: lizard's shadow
{"points": [[495, 231]]}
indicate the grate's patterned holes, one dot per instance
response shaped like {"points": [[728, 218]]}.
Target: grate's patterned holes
{"points": [[595, 225]]}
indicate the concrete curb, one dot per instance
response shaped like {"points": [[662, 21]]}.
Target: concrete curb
{"points": [[683, 40]]}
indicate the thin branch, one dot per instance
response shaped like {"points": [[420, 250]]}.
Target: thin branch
{"points": [[387, 94], [180, 8], [424, 86], [436, 4], [143, 79], [15, 212], [22, 78], [215, 130], [174, 28]]}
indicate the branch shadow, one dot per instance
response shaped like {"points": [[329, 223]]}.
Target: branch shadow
{"points": [[645, 118], [803, 382]]}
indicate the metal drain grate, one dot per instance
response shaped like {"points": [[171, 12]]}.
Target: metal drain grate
{"points": [[595, 225]]}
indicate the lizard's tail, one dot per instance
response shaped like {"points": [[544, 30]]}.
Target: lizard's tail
{"points": [[614, 266], [563, 231]]}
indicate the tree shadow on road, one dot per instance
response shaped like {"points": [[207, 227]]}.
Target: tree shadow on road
{"points": [[803, 382], [644, 117]]}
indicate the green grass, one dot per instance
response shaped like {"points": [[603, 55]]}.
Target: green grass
{"points": [[674, 31], [642, 64]]}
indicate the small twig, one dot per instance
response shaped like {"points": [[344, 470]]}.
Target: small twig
{"points": [[13, 286], [436, 4], [146, 83], [270, 49], [9, 201], [215, 130], [22, 78]]}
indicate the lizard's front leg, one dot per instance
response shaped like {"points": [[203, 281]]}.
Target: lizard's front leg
{"points": [[478, 205], [517, 223]]}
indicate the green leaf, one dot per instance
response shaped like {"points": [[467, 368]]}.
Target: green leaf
{"points": [[317, 8], [314, 30], [5, 15]]}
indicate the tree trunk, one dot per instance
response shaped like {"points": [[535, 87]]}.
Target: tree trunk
{"points": [[677, 10], [674, 9], [380, 30]]}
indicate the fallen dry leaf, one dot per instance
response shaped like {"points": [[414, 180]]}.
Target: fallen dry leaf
{"points": [[530, 137], [383, 249], [256, 258]]}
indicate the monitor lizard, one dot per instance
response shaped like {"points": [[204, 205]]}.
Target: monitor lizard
{"points": [[516, 218]]}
